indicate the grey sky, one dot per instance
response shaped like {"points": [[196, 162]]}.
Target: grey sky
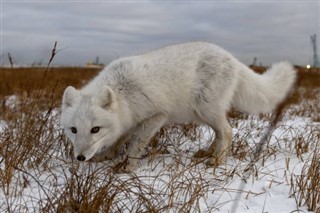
{"points": [[268, 30]]}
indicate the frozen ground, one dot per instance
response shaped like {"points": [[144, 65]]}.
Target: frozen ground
{"points": [[174, 178]]}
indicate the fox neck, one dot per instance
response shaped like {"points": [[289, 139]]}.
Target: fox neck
{"points": [[125, 116]]}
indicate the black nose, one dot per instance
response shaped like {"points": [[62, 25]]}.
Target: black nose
{"points": [[81, 158]]}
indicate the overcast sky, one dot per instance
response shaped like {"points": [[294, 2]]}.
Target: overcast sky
{"points": [[269, 30]]}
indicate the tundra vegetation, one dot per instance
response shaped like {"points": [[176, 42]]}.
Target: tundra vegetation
{"points": [[40, 174]]}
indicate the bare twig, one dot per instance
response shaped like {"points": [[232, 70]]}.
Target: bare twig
{"points": [[53, 53], [10, 60]]}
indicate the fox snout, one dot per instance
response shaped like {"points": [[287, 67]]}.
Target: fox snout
{"points": [[94, 155], [81, 158], [84, 154]]}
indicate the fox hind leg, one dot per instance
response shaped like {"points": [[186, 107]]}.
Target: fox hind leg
{"points": [[218, 150]]}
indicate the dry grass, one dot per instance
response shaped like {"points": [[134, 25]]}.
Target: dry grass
{"points": [[306, 186], [36, 158]]}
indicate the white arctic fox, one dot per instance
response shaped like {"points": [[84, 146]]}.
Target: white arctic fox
{"points": [[133, 97]]}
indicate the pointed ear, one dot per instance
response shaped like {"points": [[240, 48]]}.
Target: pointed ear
{"points": [[69, 96], [106, 97]]}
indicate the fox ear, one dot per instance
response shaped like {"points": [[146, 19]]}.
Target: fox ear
{"points": [[106, 97], [69, 96]]}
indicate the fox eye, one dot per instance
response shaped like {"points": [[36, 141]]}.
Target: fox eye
{"points": [[73, 130], [95, 129]]}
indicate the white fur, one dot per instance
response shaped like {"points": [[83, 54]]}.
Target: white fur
{"points": [[133, 97]]}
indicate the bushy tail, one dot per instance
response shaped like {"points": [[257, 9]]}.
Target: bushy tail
{"points": [[257, 93]]}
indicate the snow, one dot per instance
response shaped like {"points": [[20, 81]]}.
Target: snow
{"points": [[176, 176], [267, 192], [3, 125]]}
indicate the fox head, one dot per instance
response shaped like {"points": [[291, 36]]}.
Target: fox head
{"points": [[91, 123]]}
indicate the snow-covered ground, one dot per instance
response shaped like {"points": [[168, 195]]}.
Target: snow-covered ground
{"points": [[174, 178]]}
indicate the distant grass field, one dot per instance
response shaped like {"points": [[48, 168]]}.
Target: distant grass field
{"points": [[28, 80], [21, 80], [32, 144]]}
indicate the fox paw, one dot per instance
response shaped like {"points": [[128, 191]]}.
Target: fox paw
{"points": [[210, 158], [126, 166], [202, 153], [213, 162]]}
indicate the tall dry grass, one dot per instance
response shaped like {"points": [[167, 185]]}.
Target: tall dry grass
{"points": [[36, 158], [306, 186]]}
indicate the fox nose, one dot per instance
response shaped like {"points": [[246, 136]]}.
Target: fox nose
{"points": [[81, 158]]}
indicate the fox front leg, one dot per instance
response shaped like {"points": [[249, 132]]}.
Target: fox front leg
{"points": [[141, 137]]}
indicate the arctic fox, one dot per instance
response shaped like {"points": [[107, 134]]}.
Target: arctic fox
{"points": [[133, 97]]}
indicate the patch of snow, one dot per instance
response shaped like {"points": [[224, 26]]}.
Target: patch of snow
{"points": [[268, 191]]}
